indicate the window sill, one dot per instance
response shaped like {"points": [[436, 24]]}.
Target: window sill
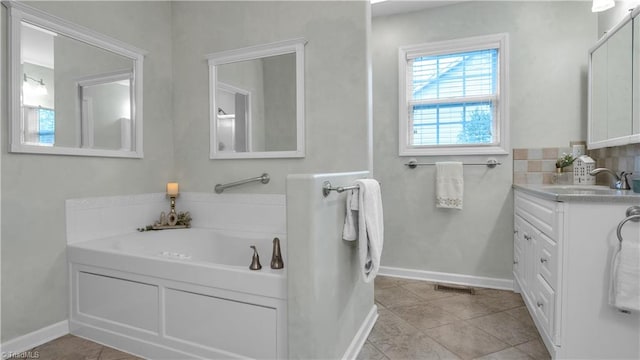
{"points": [[441, 151]]}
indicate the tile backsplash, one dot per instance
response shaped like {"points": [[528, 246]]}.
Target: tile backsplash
{"points": [[619, 158], [537, 165]]}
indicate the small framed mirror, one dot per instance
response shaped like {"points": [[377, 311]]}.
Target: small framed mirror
{"points": [[257, 101], [73, 91]]}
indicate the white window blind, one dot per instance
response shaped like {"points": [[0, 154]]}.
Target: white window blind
{"points": [[453, 97]]}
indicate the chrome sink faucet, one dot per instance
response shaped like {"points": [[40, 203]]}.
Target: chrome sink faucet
{"points": [[620, 181]]}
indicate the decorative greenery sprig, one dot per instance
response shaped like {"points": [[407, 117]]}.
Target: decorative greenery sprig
{"points": [[565, 160]]}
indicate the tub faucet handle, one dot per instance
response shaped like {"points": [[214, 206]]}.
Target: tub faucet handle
{"points": [[255, 261], [276, 257]]}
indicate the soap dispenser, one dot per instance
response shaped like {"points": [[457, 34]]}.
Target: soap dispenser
{"points": [[276, 257], [255, 261]]}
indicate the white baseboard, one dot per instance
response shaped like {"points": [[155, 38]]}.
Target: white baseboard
{"points": [[448, 278], [33, 339], [361, 336]]}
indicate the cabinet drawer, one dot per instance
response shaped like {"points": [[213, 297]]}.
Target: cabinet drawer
{"points": [[547, 260], [540, 213], [545, 302]]}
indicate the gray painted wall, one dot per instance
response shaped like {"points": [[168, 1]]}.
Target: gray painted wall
{"points": [[335, 85], [610, 18], [327, 298], [280, 102], [34, 187], [177, 36], [548, 81]]}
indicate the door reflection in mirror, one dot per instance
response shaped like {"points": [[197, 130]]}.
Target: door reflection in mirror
{"points": [[106, 111], [266, 89], [234, 118]]}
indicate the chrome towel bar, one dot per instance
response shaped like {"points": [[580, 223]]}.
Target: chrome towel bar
{"points": [[327, 188], [633, 214], [264, 178], [491, 163]]}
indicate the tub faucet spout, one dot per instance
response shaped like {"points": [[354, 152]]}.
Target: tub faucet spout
{"points": [[276, 258], [619, 181]]}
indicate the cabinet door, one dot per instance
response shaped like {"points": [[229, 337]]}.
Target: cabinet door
{"points": [[598, 95], [545, 302], [524, 245], [619, 76], [611, 119], [546, 259], [636, 77], [518, 251]]}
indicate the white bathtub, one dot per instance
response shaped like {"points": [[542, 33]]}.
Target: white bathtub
{"points": [[184, 293]]}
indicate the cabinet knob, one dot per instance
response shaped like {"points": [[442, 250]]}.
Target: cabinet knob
{"points": [[540, 305], [515, 262], [527, 237], [543, 260], [515, 232]]}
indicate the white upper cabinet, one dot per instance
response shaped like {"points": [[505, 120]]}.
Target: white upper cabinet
{"points": [[613, 113]]}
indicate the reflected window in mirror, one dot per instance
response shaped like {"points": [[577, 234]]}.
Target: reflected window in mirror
{"points": [[73, 91], [257, 103]]}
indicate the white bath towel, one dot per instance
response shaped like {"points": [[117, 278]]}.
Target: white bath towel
{"points": [[370, 234], [350, 230], [625, 282], [449, 185]]}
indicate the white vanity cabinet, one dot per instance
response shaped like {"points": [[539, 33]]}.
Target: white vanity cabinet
{"points": [[562, 261]]}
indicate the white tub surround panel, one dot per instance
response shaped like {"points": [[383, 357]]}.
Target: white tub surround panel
{"points": [[176, 309], [331, 309], [244, 212], [100, 217]]}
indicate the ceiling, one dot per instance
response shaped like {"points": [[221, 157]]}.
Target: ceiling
{"points": [[390, 7]]}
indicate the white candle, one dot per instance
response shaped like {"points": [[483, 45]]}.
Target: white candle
{"points": [[172, 189]]}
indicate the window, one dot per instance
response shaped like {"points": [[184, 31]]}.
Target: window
{"points": [[453, 98], [47, 126], [39, 125]]}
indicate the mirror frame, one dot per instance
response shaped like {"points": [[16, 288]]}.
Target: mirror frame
{"points": [[18, 13], [251, 53]]}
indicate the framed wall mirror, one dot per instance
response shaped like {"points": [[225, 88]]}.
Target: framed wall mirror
{"points": [[257, 101], [73, 91]]}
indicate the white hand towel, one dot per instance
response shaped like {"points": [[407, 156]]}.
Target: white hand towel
{"points": [[449, 185], [625, 284], [350, 230], [370, 227]]}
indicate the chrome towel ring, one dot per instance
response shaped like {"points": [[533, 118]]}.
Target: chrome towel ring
{"points": [[633, 214]]}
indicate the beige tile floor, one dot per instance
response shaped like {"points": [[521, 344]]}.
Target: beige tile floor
{"points": [[417, 322]]}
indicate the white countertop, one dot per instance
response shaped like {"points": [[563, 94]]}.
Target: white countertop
{"points": [[586, 193]]}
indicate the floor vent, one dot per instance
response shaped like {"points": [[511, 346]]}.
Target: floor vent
{"points": [[455, 288]]}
